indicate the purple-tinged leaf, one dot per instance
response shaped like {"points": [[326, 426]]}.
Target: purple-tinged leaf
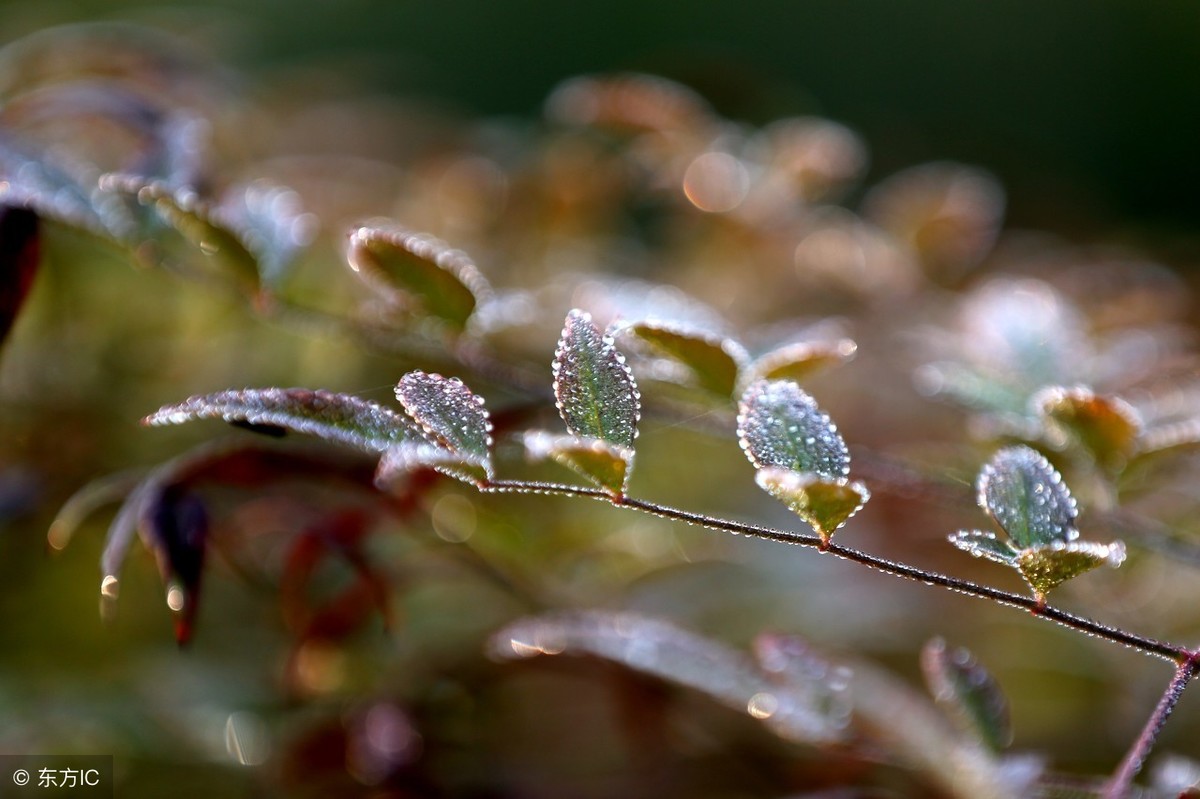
{"points": [[421, 270], [197, 222], [605, 464], [179, 524], [826, 503], [713, 359], [451, 416], [968, 692], [985, 545], [340, 418], [1108, 427], [20, 242], [800, 360], [780, 425], [594, 390], [412, 456], [1046, 567], [36, 181], [1027, 497]]}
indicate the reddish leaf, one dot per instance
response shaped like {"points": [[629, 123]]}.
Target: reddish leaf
{"points": [[19, 246]]}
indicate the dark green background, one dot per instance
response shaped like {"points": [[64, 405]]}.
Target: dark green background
{"points": [[1086, 109]]}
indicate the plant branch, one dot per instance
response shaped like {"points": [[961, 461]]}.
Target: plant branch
{"points": [[1169, 651], [1118, 787]]}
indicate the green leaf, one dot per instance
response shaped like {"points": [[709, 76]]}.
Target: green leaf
{"points": [[780, 425], [451, 416], [419, 270], [196, 221], [595, 391], [272, 224], [340, 418], [713, 359], [410, 456], [800, 360], [985, 545], [1046, 567], [1108, 427], [969, 692], [1028, 498], [825, 503], [606, 465]]}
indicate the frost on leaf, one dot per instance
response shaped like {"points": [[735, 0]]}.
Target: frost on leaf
{"points": [[410, 456], [800, 360], [1046, 567], [1107, 427], [451, 416], [780, 425], [825, 503], [197, 222], [593, 387], [420, 271], [968, 692], [1028, 498], [606, 465], [712, 359], [340, 418]]}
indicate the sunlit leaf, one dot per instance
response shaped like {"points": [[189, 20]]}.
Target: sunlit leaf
{"points": [[20, 242], [36, 181], [824, 502], [1028, 498], [341, 418], [796, 708], [606, 465], [196, 221], [713, 359], [969, 692], [800, 360], [407, 457], [450, 415], [779, 424], [985, 545], [404, 265], [86, 501], [1108, 427], [595, 391], [1046, 567]]}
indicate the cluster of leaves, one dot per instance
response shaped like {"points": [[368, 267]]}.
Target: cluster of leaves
{"points": [[620, 154]]}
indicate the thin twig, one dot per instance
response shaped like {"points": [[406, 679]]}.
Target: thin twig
{"points": [[1167, 650]]}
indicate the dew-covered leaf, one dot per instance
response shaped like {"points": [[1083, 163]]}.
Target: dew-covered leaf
{"points": [[1108, 427], [411, 456], [35, 181], [451, 416], [414, 267], [984, 545], [20, 242], [595, 391], [340, 418], [1028, 498], [969, 693], [1045, 567], [713, 359], [800, 360], [795, 708], [607, 465], [824, 502], [196, 221], [779, 424]]}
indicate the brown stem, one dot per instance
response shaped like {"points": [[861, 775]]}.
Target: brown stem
{"points": [[1118, 787], [1163, 649]]}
